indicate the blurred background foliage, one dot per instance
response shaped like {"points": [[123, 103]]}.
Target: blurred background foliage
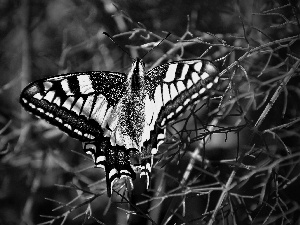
{"points": [[44, 38]]}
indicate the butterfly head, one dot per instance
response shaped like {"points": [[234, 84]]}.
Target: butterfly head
{"points": [[138, 66]]}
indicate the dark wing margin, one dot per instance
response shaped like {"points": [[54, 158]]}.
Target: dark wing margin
{"points": [[77, 103]]}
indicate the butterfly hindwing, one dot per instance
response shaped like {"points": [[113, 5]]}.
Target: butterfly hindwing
{"points": [[79, 104], [114, 159]]}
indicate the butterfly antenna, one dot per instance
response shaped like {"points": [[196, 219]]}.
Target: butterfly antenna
{"points": [[110, 37], [157, 44]]}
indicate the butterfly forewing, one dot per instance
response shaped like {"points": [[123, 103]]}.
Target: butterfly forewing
{"points": [[76, 103], [175, 86]]}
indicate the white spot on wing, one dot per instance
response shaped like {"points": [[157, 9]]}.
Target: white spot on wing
{"points": [[209, 85], [85, 84], [125, 173], [89, 136], [170, 115], [216, 80], [58, 119], [173, 91], [149, 110], [198, 66], [99, 109], [101, 158], [90, 146], [32, 105], [185, 69], [58, 78], [38, 96], [194, 96], [79, 104], [100, 166], [186, 101], [180, 86], [179, 109], [47, 85], [40, 110], [143, 173], [49, 114], [57, 101], [89, 152], [189, 83], [68, 103], [158, 97], [111, 119], [195, 77], [204, 76], [151, 114], [170, 75], [166, 94], [112, 173], [210, 68], [88, 106], [65, 86], [202, 90], [163, 122], [161, 137], [78, 132], [49, 96], [154, 151], [160, 143], [148, 167], [68, 126]]}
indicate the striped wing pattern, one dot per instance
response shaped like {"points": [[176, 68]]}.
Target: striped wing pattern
{"points": [[90, 107], [173, 88], [76, 103]]}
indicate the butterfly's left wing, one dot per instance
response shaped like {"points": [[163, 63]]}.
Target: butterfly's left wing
{"points": [[84, 106], [172, 88], [79, 104]]}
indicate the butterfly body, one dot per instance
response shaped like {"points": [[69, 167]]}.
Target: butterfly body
{"points": [[119, 116], [130, 111]]}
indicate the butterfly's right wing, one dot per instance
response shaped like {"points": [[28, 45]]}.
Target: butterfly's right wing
{"points": [[173, 88], [79, 104]]}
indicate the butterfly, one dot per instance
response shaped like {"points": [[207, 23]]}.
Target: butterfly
{"points": [[121, 118]]}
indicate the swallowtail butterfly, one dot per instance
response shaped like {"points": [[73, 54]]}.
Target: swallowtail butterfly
{"points": [[121, 117]]}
